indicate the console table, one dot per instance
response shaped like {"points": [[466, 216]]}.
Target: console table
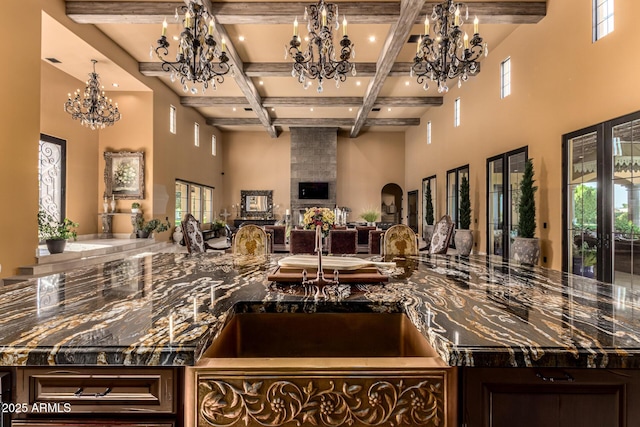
{"points": [[238, 222], [107, 223]]}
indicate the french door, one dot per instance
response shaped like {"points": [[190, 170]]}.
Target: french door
{"points": [[412, 208], [602, 201], [504, 173], [52, 175]]}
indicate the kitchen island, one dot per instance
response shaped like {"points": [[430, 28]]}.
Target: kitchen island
{"points": [[575, 340]]}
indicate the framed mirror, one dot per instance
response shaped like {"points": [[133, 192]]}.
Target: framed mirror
{"points": [[256, 203]]}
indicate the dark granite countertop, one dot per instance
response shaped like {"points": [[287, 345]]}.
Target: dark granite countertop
{"points": [[475, 312]]}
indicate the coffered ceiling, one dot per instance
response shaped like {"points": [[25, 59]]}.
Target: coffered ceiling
{"points": [[263, 95]]}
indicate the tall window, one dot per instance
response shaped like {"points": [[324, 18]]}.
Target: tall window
{"points": [[196, 134], [456, 112], [602, 18], [429, 132], [505, 78], [172, 119], [195, 199], [213, 145], [454, 179], [52, 175]]}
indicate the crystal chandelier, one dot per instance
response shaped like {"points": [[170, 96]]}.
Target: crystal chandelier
{"points": [[319, 60], [196, 50], [93, 110], [448, 53]]}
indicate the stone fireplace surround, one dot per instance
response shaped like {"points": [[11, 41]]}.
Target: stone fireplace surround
{"points": [[313, 159]]}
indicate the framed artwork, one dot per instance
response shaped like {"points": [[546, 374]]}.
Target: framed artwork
{"points": [[124, 175]]}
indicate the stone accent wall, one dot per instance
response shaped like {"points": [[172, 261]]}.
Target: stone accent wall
{"points": [[313, 159]]}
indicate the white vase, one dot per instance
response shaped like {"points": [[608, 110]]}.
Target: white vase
{"points": [[105, 207], [113, 205]]}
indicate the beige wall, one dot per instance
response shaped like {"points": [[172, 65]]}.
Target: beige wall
{"points": [[20, 130], [561, 82], [365, 165], [254, 161], [82, 147]]}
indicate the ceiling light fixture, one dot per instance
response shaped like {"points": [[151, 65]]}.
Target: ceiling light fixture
{"points": [[320, 60], [448, 53], [94, 110], [196, 50]]}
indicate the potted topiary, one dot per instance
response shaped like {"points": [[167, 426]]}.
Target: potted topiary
{"points": [[371, 216], [135, 207], [428, 216], [55, 233], [464, 237], [147, 228], [526, 247]]}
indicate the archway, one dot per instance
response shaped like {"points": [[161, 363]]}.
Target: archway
{"points": [[391, 204]]}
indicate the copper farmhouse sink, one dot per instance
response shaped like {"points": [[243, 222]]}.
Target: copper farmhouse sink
{"points": [[322, 369]]}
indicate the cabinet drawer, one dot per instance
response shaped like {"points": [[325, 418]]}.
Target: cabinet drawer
{"points": [[23, 423], [91, 390]]}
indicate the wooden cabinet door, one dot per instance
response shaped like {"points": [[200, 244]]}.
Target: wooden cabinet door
{"points": [[528, 397]]}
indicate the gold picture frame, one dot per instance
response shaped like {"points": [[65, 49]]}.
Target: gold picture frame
{"points": [[124, 175]]}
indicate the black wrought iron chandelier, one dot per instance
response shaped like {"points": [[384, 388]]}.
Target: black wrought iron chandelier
{"points": [[93, 109], [197, 50], [448, 53], [320, 60]]}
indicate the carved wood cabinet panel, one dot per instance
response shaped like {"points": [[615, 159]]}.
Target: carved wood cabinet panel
{"points": [[325, 399]]}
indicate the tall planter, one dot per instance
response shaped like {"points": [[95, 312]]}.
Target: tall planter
{"points": [[463, 238], [526, 247]]}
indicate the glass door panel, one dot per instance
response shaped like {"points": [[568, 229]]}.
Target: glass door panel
{"points": [[51, 176], [504, 173], [625, 239], [495, 206], [182, 206], [582, 204]]}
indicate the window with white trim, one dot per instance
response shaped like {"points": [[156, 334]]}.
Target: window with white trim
{"points": [[456, 112], [213, 145], [196, 134], [602, 18], [172, 119], [505, 78], [429, 132], [195, 199]]}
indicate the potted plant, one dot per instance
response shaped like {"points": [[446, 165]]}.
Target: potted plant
{"points": [[370, 216], [218, 227], [55, 233], [135, 207], [428, 216], [147, 228], [464, 237], [526, 247]]}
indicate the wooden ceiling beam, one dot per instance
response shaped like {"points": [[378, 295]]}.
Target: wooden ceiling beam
{"points": [[317, 122], [282, 69], [295, 102], [245, 83], [396, 39], [111, 12]]}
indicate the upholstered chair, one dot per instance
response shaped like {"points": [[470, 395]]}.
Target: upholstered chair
{"points": [[250, 240], [278, 233], [441, 236], [399, 240], [343, 242], [192, 235], [363, 238], [302, 241], [374, 241]]}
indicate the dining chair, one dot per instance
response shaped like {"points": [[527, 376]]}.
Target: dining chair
{"points": [[363, 237], [193, 239], [250, 240], [375, 236], [277, 237], [441, 235], [343, 242], [302, 241], [399, 240]]}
